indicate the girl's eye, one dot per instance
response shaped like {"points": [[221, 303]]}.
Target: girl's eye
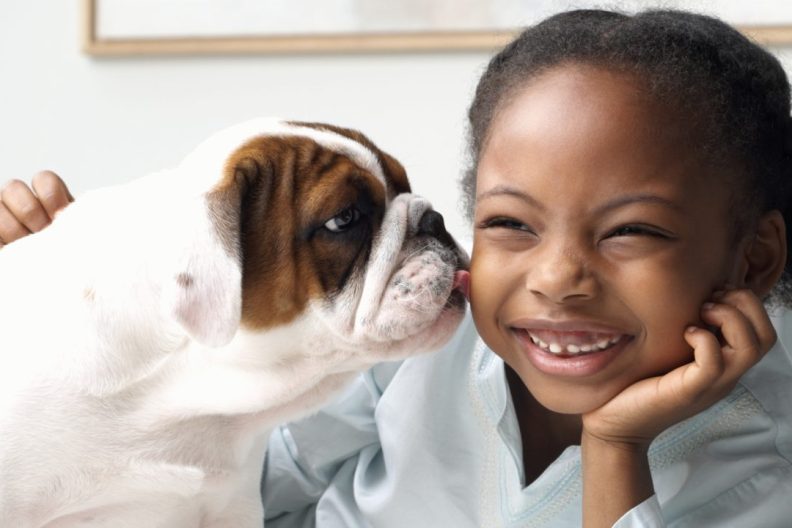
{"points": [[637, 230], [505, 223], [343, 220]]}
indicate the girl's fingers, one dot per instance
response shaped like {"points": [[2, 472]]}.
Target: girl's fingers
{"points": [[10, 228], [743, 346], [753, 309], [52, 192], [20, 202], [735, 334], [708, 363]]}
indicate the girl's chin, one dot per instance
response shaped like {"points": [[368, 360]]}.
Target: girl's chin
{"points": [[568, 407], [572, 400]]}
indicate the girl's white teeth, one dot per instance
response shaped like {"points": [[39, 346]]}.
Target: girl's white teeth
{"points": [[555, 348]]}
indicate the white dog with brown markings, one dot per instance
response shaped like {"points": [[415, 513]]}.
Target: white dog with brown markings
{"points": [[154, 334]]}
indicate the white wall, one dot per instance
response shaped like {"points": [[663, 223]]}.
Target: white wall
{"points": [[104, 121]]}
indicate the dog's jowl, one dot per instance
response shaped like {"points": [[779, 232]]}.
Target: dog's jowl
{"points": [[154, 334]]}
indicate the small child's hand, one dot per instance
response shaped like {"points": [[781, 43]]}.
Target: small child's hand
{"points": [[616, 437], [24, 210], [643, 410]]}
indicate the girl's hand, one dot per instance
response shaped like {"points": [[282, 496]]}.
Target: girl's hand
{"points": [[643, 410], [616, 437], [24, 210]]}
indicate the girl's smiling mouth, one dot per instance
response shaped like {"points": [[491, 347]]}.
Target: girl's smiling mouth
{"points": [[569, 348], [572, 343]]}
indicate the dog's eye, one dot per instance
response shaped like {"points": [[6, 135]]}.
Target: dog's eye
{"points": [[343, 220]]}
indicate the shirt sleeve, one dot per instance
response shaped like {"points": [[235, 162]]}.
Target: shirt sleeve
{"points": [[304, 456], [645, 515]]}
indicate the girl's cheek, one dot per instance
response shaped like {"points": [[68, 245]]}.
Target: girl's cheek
{"points": [[486, 297], [485, 264]]}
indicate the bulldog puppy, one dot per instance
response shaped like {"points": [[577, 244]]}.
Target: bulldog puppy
{"points": [[152, 337]]}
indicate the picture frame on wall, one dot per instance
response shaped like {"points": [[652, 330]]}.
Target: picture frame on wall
{"points": [[143, 27]]}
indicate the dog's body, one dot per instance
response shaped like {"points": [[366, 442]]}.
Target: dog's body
{"points": [[156, 332]]}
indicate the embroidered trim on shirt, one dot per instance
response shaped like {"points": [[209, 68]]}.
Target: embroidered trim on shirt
{"points": [[497, 504], [719, 421], [488, 501]]}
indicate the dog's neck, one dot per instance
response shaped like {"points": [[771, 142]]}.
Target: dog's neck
{"points": [[256, 371]]}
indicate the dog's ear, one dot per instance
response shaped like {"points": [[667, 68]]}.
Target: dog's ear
{"points": [[205, 295]]}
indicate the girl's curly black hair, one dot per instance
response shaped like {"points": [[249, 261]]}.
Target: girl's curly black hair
{"points": [[731, 92]]}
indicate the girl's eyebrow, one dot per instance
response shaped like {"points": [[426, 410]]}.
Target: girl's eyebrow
{"points": [[507, 190], [629, 199], [621, 201]]}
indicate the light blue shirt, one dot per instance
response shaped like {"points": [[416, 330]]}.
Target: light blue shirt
{"points": [[434, 442]]}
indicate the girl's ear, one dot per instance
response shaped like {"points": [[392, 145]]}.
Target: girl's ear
{"points": [[765, 256]]}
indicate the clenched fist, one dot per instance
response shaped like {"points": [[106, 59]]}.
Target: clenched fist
{"points": [[25, 210]]}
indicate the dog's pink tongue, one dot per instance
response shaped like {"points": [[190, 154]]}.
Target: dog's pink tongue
{"points": [[462, 282]]}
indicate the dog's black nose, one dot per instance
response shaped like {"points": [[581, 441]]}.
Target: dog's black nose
{"points": [[432, 224]]}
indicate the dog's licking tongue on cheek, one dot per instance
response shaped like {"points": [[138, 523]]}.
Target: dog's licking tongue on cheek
{"points": [[462, 283]]}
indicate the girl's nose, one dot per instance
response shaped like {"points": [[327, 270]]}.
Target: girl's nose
{"points": [[560, 275]]}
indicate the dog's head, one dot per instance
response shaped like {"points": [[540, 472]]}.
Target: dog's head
{"points": [[312, 226]]}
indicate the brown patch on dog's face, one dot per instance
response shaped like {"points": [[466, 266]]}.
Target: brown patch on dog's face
{"points": [[395, 173], [306, 221]]}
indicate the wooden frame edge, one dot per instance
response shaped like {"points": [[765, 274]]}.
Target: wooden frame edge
{"points": [[89, 25], [284, 45], [769, 35], [460, 41]]}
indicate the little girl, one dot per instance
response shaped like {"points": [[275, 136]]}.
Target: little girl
{"points": [[629, 191]]}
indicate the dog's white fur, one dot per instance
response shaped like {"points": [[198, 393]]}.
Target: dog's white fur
{"points": [[128, 400]]}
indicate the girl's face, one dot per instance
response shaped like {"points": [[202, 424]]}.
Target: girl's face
{"points": [[598, 236]]}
